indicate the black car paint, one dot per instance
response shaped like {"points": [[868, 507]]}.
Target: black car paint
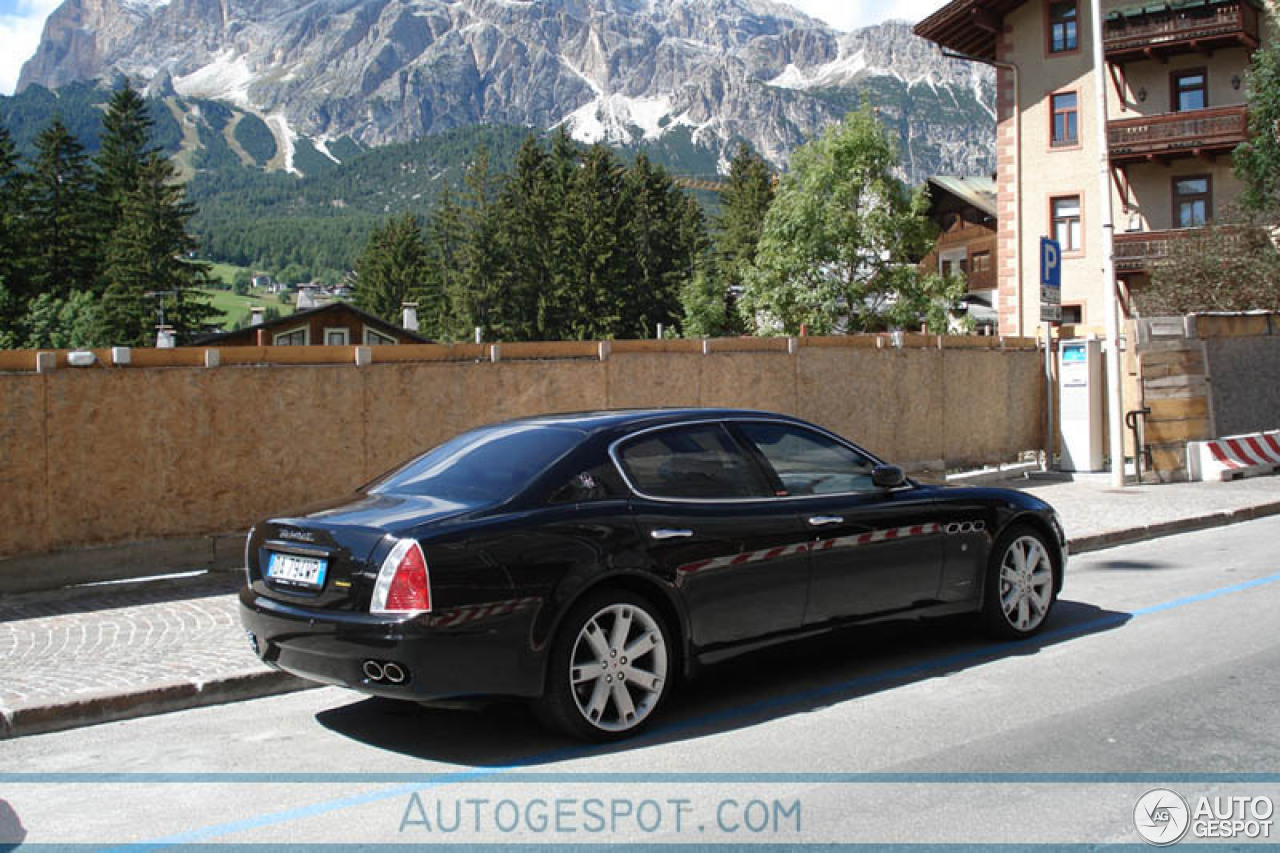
{"points": [[503, 576]]}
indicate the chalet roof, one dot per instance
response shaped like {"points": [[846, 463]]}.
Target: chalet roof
{"points": [[977, 190], [971, 26], [370, 320], [967, 26]]}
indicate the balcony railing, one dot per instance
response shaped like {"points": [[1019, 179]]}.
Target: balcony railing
{"points": [[1180, 30], [1137, 251], [1185, 134]]}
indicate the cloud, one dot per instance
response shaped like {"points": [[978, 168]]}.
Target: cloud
{"points": [[20, 28], [851, 14]]}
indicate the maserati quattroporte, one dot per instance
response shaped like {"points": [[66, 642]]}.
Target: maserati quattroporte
{"points": [[589, 562]]}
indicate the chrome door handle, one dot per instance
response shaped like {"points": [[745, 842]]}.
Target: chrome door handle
{"points": [[823, 520], [668, 533]]}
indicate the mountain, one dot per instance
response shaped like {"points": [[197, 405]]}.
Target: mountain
{"points": [[704, 74]]}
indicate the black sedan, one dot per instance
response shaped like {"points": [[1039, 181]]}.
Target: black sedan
{"points": [[588, 562]]}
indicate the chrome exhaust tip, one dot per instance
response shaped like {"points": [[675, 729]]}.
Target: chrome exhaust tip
{"points": [[373, 670], [394, 673]]}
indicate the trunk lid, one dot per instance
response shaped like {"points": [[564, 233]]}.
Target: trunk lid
{"points": [[326, 556]]}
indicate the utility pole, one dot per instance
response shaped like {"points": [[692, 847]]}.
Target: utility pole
{"points": [[1111, 302]]}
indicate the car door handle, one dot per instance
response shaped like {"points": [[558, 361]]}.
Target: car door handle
{"points": [[669, 533], [824, 520]]}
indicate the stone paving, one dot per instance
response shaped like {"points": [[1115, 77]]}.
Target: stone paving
{"points": [[72, 647], [99, 653]]}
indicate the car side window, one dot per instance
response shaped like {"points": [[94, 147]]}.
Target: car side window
{"points": [[700, 461], [598, 483], [808, 462]]}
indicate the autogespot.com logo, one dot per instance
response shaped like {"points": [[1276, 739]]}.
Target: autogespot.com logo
{"points": [[1162, 817]]}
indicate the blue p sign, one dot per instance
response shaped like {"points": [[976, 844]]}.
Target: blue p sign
{"points": [[1050, 263]]}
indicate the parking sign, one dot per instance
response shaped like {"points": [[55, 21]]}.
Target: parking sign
{"points": [[1050, 281]]}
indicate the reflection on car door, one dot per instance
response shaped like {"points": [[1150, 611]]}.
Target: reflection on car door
{"points": [[873, 550], [704, 511]]}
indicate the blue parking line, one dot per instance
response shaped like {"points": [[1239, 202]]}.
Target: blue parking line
{"points": [[487, 774]]}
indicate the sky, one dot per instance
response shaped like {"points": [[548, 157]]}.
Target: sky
{"points": [[21, 22]]}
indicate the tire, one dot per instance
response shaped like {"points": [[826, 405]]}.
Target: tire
{"points": [[1021, 584], [603, 688]]}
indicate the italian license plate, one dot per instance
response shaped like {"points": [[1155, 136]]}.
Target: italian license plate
{"points": [[293, 569]]}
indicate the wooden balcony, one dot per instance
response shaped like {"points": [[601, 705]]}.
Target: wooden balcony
{"points": [[1137, 251], [1196, 133], [1165, 30]]}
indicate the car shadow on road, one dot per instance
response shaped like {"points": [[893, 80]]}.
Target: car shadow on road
{"points": [[781, 681]]}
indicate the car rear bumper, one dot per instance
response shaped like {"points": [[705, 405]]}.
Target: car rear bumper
{"points": [[474, 651]]}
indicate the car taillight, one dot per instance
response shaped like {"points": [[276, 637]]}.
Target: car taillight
{"points": [[403, 585]]}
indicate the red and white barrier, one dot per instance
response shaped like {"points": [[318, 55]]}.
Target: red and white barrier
{"points": [[1234, 457]]}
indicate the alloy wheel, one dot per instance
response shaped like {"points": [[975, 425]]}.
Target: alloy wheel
{"points": [[1026, 583], [618, 667]]}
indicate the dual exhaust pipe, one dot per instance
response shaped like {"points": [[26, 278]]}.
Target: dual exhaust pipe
{"points": [[385, 672]]}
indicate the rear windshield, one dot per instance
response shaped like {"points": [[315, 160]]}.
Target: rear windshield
{"points": [[485, 465]]}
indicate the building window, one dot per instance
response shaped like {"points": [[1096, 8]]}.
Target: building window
{"points": [[1066, 223], [373, 338], [1191, 208], [1190, 90], [1073, 314], [980, 263], [337, 337], [293, 338], [1066, 120], [1063, 22]]}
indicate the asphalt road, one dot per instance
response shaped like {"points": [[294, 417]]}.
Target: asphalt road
{"points": [[1159, 669]]}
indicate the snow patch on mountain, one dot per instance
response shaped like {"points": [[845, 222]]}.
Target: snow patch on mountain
{"points": [[227, 78], [842, 71]]}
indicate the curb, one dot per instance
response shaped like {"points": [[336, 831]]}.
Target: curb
{"points": [[158, 699], [1110, 539]]}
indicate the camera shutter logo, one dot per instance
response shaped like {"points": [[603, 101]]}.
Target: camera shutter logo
{"points": [[1162, 817]]}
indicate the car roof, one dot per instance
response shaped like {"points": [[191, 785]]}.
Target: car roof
{"points": [[625, 420]]}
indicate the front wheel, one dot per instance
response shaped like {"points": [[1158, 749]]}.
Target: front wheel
{"points": [[610, 668], [1020, 589]]}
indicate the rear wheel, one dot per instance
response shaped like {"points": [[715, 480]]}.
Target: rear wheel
{"points": [[611, 668], [1020, 588]]}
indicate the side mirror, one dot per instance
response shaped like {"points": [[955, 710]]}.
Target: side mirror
{"points": [[888, 477]]}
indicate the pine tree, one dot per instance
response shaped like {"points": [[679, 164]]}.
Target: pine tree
{"points": [[528, 203], [595, 247], [64, 248], [126, 137], [147, 267], [391, 268], [444, 249], [661, 251], [14, 246], [479, 299], [746, 200]]}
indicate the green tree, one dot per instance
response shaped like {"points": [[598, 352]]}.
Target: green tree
{"points": [[443, 277], [64, 323], [1257, 161], [746, 199], [838, 244], [529, 202], [14, 245], [477, 297], [146, 267], [665, 232], [391, 268], [1229, 265], [593, 240], [126, 144], [63, 233], [242, 282]]}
